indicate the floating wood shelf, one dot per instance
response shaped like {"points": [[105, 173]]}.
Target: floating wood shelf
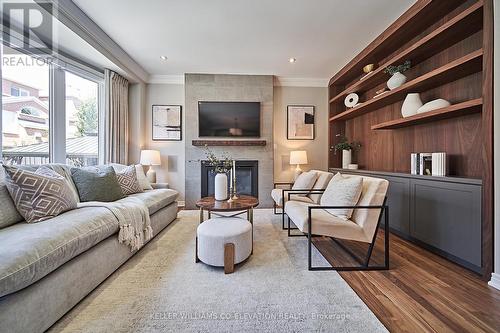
{"points": [[464, 66], [456, 110], [201, 143], [461, 26]]}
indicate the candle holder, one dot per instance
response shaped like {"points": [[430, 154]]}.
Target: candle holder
{"points": [[234, 195]]}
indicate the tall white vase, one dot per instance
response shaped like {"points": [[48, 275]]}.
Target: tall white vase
{"points": [[396, 80], [411, 104], [346, 158], [220, 186]]}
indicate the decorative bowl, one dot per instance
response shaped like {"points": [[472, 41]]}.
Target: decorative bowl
{"points": [[368, 68]]}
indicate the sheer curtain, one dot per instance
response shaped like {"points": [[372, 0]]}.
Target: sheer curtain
{"points": [[116, 146]]}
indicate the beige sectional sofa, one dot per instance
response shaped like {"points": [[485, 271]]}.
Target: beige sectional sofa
{"points": [[46, 268]]}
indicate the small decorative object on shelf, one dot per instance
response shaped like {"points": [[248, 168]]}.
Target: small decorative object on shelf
{"points": [[433, 105], [380, 92], [397, 78], [221, 166], [411, 104], [351, 100], [369, 68], [347, 149], [353, 166]]}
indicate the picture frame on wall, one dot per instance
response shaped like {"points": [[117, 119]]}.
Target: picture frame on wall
{"points": [[300, 122], [166, 123]]}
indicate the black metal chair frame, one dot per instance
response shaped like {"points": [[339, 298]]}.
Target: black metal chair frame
{"points": [[364, 262], [274, 202]]}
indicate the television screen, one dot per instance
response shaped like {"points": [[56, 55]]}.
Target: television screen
{"points": [[229, 119]]}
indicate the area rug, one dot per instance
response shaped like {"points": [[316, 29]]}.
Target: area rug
{"points": [[162, 289]]}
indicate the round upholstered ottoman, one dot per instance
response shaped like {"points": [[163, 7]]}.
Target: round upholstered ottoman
{"points": [[224, 241]]}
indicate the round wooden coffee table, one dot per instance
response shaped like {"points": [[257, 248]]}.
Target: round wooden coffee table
{"points": [[244, 203]]}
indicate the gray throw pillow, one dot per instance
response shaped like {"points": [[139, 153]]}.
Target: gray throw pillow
{"points": [[127, 179], [98, 184], [39, 195]]}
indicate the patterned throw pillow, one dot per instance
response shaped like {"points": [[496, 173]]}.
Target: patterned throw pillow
{"points": [[128, 180], [39, 195], [342, 191]]}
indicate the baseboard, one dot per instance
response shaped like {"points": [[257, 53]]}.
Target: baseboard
{"points": [[495, 281]]}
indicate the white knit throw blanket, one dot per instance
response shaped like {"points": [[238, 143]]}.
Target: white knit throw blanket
{"points": [[133, 218]]}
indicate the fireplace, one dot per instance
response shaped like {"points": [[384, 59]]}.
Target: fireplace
{"points": [[247, 178]]}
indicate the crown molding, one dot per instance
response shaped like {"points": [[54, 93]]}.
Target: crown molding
{"points": [[166, 79], [300, 82], [69, 14]]}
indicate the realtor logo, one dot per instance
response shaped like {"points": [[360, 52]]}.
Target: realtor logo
{"points": [[28, 26]]}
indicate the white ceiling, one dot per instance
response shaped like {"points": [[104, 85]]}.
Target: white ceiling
{"points": [[244, 36]]}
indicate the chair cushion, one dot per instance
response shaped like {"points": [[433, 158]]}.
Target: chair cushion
{"points": [[157, 199], [39, 195], [324, 223], [28, 252], [320, 184], [276, 194], [342, 191], [305, 181]]}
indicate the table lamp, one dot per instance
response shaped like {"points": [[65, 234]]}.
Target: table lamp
{"points": [[298, 157], [150, 158]]}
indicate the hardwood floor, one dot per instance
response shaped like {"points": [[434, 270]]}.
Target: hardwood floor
{"points": [[422, 292]]}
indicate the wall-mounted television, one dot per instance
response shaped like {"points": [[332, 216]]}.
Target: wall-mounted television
{"points": [[229, 119]]}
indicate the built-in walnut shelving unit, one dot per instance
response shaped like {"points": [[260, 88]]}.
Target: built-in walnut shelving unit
{"points": [[450, 45]]}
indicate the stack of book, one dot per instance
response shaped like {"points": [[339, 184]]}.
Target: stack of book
{"points": [[429, 164]]}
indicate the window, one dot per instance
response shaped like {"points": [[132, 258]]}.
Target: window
{"points": [[82, 120], [42, 122], [25, 121]]}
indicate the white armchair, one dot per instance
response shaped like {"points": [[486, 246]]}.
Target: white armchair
{"points": [[313, 219], [284, 191]]}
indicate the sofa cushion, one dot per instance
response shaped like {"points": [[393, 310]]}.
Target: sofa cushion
{"points": [[324, 223], [157, 199], [141, 176], [28, 252], [8, 211], [276, 194], [97, 184], [342, 191], [39, 195], [127, 178]]}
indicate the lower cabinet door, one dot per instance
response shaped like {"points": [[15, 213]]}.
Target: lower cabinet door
{"points": [[447, 216], [398, 200]]}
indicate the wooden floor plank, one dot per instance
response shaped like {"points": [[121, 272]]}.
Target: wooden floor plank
{"points": [[422, 292]]}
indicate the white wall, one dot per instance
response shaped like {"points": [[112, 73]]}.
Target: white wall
{"points": [[172, 152], [495, 280], [317, 149]]}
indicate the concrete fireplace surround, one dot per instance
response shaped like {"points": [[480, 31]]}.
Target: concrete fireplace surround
{"points": [[243, 88]]}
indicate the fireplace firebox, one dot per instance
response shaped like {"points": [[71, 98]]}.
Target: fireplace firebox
{"points": [[247, 178]]}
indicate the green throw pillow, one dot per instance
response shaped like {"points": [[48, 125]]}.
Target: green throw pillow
{"points": [[97, 184]]}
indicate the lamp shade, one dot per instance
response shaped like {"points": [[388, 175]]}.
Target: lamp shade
{"points": [[298, 157], [150, 157]]}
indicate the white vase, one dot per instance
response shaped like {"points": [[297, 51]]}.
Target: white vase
{"points": [[396, 80], [346, 158], [411, 104], [220, 186], [433, 105]]}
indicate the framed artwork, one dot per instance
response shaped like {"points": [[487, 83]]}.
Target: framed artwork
{"points": [[300, 122], [167, 123]]}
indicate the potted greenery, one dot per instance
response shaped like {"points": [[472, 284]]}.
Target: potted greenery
{"points": [[221, 167], [397, 78], [346, 147]]}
